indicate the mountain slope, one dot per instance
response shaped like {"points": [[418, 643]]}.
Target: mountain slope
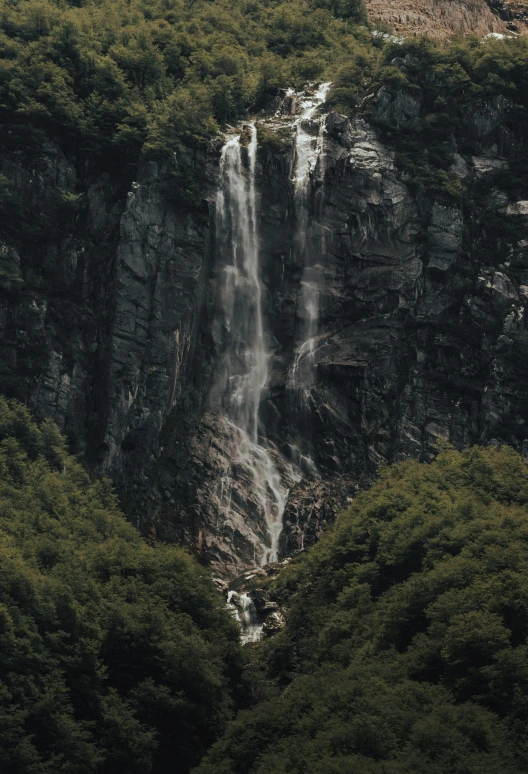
{"points": [[406, 638], [115, 654]]}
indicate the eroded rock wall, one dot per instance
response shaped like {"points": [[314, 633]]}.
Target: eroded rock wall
{"points": [[110, 327], [424, 312], [439, 18], [100, 313], [422, 325]]}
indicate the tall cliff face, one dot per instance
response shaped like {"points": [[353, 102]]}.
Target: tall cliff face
{"points": [[100, 312], [115, 328]]}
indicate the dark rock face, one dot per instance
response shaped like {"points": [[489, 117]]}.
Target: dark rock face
{"points": [[312, 506], [162, 270], [99, 324], [422, 332], [56, 281]]}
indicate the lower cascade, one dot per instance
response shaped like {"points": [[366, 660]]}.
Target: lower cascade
{"points": [[245, 612]]}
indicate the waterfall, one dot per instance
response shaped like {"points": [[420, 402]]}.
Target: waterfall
{"points": [[245, 612], [252, 493], [308, 149], [253, 485]]}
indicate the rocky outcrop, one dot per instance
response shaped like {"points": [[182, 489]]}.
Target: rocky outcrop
{"points": [[438, 18], [313, 505], [513, 12], [251, 600]]}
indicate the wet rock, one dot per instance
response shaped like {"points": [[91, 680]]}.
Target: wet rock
{"points": [[517, 208], [484, 166], [273, 624], [422, 324]]}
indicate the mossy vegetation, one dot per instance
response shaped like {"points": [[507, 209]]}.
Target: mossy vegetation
{"points": [[275, 140], [109, 79]]}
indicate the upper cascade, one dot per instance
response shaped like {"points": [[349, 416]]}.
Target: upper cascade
{"points": [[308, 151]]}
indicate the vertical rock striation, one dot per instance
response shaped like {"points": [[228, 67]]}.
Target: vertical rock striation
{"points": [[171, 343]]}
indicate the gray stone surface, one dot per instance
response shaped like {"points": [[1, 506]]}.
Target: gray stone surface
{"points": [[423, 311]]}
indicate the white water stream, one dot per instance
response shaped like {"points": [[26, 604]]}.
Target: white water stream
{"points": [[252, 491], [244, 610], [308, 150], [246, 355]]}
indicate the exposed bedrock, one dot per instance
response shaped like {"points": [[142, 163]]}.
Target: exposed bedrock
{"points": [[421, 331]]}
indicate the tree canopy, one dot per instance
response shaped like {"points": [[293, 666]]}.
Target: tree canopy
{"points": [[123, 74], [405, 649], [115, 654]]}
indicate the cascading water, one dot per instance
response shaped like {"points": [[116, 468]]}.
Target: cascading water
{"points": [[253, 489], [308, 149], [245, 613], [252, 494]]}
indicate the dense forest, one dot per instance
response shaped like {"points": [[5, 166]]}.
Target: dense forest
{"points": [[405, 649], [115, 654], [137, 74], [160, 72]]}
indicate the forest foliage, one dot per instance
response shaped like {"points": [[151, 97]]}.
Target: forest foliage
{"points": [[127, 74], [115, 655], [115, 76], [455, 88], [112, 79], [405, 650]]}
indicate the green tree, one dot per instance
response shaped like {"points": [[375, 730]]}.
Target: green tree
{"points": [[406, 638], [115, 654]]}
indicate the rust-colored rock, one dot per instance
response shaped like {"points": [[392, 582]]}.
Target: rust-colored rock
{"points": [[439, 18]]}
